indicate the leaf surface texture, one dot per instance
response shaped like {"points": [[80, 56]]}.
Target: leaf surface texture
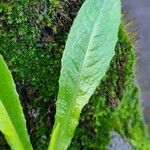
{"points": [[89, 49]]}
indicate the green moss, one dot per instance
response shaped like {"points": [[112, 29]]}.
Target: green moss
{"points": [[33, 36]]}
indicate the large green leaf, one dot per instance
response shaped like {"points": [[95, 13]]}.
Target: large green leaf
{"points": [[12, 120], [88, 52]]}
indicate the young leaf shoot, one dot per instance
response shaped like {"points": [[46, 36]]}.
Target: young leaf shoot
{"points": [[89, 49]]}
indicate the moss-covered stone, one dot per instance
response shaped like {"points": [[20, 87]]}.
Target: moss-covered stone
{"points": [[33, 35]]}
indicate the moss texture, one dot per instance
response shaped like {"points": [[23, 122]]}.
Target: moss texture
{"points": [[33, 35]]}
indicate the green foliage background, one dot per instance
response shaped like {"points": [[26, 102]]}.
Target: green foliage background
{"points": [[33, 35]]}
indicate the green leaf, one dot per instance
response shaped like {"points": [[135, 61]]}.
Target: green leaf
{"points": [[88, 52], [12, 120]]}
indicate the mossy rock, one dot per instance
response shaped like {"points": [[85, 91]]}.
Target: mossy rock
{"points": [[33, 35]]}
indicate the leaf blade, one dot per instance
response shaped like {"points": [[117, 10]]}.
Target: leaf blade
{"points": [[88, 52], [12, 120]]}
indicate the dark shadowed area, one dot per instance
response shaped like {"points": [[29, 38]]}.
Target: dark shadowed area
{"points": [[140, 10]]}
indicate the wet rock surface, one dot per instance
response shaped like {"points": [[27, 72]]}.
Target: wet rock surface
{"points": [[118, 143]]}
